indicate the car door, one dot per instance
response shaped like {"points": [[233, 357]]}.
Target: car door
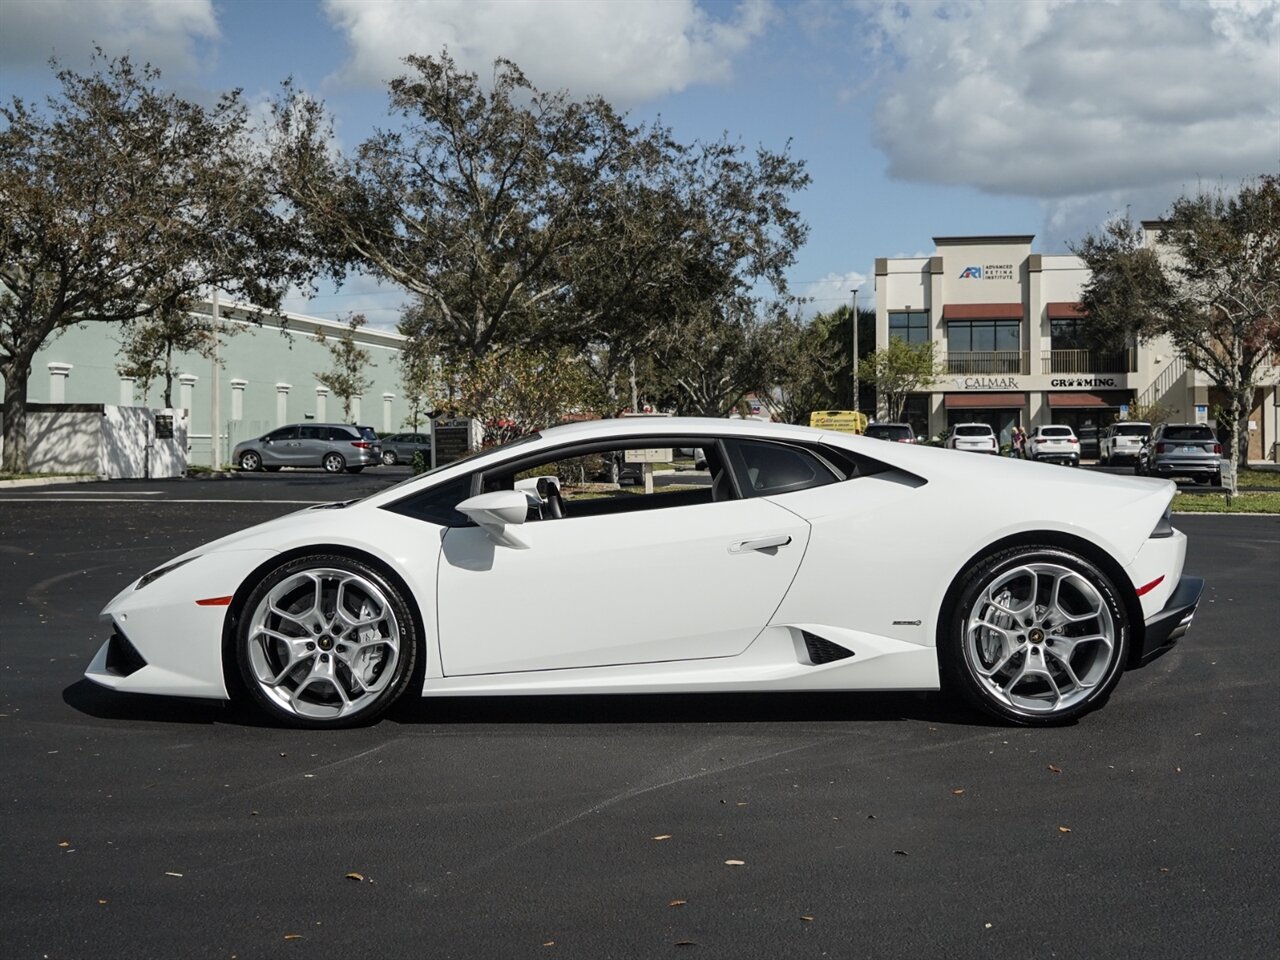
{"points": [[313, 444], [671, 583], [278, 445]]}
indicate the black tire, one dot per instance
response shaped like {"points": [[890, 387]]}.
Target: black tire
{"points": [[251, 654], [275, 469], [615, 472], [1217, 479], [389, 458], [1104, 462], [1029, 649], [250, 461], [354, 469], [1201, 480], [333, 463]]}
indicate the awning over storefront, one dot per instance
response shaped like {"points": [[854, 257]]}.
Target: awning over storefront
{"points": [[1065, 310], [984, 401], [982, 311], [1081, 398]]}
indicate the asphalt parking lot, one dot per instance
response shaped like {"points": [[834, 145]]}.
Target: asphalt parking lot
{"points": [[727, 826]]}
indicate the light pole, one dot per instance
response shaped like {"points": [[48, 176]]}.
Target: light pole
{"points": [[856, 398]]}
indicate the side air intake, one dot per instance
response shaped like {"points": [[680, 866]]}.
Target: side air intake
{"points": [[123, 657], [823, 651]]}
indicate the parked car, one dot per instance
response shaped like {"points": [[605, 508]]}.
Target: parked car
{"points": [[1123, 439], [1182, 450], [894, 432], [752, 574], [975, 437], [400, 448], [1054, 443], [334, 446]]}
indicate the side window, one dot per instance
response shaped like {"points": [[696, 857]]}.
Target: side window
{"points": [[437, 504], [342, 433], [765, 469], [309, 431], [592, 482], [284, 433]]}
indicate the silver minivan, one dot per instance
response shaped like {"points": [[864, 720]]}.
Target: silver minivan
{"points": [[334, 446]]}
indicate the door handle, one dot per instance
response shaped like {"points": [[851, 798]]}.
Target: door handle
{"points": [[760, 543]]}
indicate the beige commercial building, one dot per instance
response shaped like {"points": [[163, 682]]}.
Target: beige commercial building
{"points": [[1007, 326]]}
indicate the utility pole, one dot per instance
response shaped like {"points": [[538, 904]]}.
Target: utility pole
{"points": [[216, 399], [857, 405]]}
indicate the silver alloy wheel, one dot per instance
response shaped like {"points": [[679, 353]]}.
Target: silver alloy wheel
{"points": [[324, 643], [1039, 638], [388, 459], [333, 463], [250, 461]]}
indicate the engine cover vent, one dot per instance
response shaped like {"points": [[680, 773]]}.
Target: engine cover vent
{"points": [[823, 651]]}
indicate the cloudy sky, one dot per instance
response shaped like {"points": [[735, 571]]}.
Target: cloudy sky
{"points": [[916, 119]]}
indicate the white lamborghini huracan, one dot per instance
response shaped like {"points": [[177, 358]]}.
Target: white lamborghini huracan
{"points": [[797, 560]]}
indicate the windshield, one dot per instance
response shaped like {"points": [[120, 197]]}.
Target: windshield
{"points": [[487, 451], [1055, 431], [1132, 429], [367, 433], [973, 430]]}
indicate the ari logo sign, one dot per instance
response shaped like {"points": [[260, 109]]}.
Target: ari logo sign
{"points": [[971, 273]]}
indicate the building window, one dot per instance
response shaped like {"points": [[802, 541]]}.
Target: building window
{"points": [[984, 346], [968, 336], [910, 326], [916, 412], [1068, 333]]}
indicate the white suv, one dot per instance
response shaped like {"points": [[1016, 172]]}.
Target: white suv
{"points": [[1123, 439], [1056, 443], [975, 437]]}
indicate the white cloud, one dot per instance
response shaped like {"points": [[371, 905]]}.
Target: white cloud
{"points": [[832, 291], [160, 32], [1059, 99], [381, 303], [628, 51]]}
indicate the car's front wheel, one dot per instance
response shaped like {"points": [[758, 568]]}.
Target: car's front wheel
{"points": [[250, 462], [333, 463], [1037, 636], [325, 641]]}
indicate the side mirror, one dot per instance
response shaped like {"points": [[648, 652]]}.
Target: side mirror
{"points": [[495, 512]]}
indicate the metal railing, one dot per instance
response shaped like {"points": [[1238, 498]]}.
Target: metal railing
{"points": [[989, 361], [1089, 361]]}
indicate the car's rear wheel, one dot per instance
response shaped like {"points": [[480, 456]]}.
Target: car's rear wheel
{"points": [[326, 641], [388, 458], [333, 463], [354, 469], [1037, 636], [275, 469], [250, 462]]}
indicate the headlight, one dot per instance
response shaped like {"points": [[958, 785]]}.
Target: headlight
{"points": [[159, 572]]}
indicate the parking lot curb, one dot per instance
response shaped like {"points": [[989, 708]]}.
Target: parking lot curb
{"points": [[46, 481]]}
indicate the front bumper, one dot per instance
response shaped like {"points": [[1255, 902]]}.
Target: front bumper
{"points": [[1168, 626]]}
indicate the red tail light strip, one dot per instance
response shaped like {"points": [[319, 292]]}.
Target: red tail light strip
{"points": [[1147, 588], [226, 601]]}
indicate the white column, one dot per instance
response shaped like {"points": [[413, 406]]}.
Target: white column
{"points": [[126, 391], [386, 411], [355, 409], [282, 403], [186, 383], [321, 394], [237, 399], [58, 373]]}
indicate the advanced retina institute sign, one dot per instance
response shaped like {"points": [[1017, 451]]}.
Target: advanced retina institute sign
{"points": [[988, 271]]}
